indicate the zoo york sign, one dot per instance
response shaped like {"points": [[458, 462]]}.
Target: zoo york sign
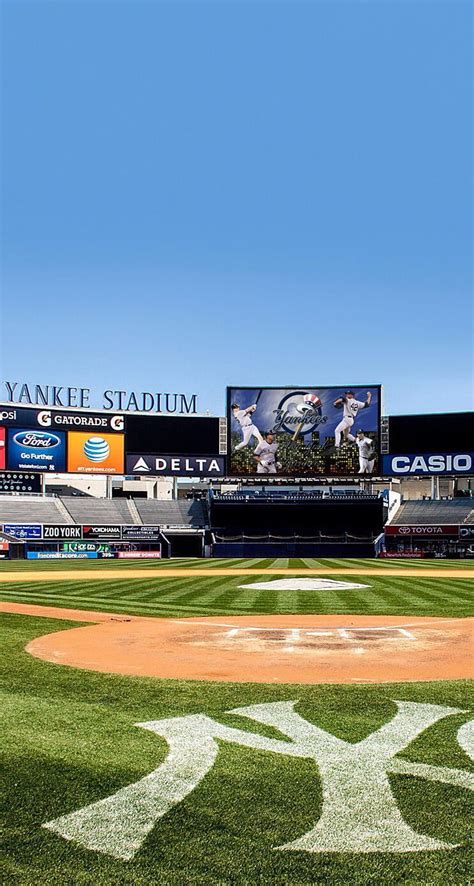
{"points": [[359, 810]]}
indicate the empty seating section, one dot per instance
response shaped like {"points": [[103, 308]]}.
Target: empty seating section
{"points": [[34, 510], [98, 510], [173, 513], [103, 511], [457, 511]]}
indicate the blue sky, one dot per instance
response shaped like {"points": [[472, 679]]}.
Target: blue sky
{"points": [[251, 193]]}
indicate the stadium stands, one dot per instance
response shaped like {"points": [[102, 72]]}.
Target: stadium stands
{"points": [[14, 509], [173, 513], [104, 511], [99, 510], [457, 510]]}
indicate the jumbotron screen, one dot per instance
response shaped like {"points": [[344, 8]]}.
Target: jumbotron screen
{"points": [[304, 431]]}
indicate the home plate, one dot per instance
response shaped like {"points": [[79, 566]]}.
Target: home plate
{"points": [[302, 584]]}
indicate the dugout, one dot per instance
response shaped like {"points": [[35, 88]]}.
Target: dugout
{"points": [[182, 542]]}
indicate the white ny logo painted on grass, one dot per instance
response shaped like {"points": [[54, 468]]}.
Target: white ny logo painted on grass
{"points": [[359, 812]]}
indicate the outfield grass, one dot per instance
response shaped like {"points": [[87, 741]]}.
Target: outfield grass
{"points": [[224, 595], [233, 563], [69, 740]]}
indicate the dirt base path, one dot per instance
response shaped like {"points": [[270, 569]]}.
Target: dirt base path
{"points": [[262, 648], [104, 574]]}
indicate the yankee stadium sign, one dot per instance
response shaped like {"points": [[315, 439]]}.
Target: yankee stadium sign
{"points": [[64, 396]]}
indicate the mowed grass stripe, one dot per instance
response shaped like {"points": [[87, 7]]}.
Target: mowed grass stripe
{"points": [[219, 594]]}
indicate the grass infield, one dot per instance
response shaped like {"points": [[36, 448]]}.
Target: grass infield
{"points": [[69, 740]]}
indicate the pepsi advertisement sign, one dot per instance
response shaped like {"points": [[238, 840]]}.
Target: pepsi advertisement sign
{"points": [[34, 450]]}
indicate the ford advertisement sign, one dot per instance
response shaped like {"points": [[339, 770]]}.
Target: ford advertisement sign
{"points": [[406, 464], [33, 450]]}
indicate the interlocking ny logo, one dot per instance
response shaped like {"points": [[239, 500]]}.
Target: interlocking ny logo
{"points": [[359, 811]]}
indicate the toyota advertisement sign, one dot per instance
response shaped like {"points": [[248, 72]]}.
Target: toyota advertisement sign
{"points": [[426, 531]]}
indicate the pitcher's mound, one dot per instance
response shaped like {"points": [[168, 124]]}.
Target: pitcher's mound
{"points": [[271, 649]]}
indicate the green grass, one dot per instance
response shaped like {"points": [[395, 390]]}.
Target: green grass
{"points": [[231, 563], [222, 595], [69, 739]]}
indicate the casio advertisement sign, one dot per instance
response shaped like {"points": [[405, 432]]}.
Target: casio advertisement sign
{"points": [[407, 464]]}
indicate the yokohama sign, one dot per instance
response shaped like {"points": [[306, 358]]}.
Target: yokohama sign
{"points": [[434, 530]]}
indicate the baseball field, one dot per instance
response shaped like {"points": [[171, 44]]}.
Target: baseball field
{"points": [[237, 722]]}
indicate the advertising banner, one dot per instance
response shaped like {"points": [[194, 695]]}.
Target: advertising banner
{"points": [[17, 481], [60, 555], [304, 432], [138, 555], [3, 440], [466, 532], [426, 531], [36, 450], [54, 419], [93, 454], [140, 533], [98, 532], [80, 547], [55, 532], [176, 465], [24, 531], [400, 555], [406, 464]]}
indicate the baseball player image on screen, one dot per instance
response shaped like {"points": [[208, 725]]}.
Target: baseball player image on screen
{"points": [[366, 453], [245, 420], [265, 455], [351, 407]]}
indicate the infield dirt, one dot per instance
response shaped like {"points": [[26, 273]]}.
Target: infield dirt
{"points": [[261, 648]]}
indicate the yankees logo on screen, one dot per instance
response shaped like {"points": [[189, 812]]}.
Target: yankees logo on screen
{"points": [[313, 431], [359, 810]]}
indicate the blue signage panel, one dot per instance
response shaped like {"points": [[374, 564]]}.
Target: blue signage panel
{"points": [[23, 530], [33, 450], [60, 555], [428, 464]]}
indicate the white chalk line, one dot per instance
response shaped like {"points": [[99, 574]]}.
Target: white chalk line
{"points": [[418, 624]]}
